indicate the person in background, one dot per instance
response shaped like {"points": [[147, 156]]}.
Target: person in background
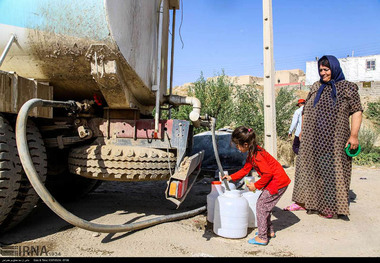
{"points": [[273, 182], [296, 124], [323, 169]]}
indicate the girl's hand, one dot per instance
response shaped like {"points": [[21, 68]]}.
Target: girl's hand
{"points": [[251, 187], [227, 177]]}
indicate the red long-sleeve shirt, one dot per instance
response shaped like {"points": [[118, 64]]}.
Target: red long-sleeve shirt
{"points": [[272, 175]]}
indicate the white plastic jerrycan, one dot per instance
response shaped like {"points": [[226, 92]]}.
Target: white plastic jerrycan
{"points": [[231, 215], [252, 197], [216, 190], [230, 185]]}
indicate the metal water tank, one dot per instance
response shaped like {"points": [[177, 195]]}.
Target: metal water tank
{"points": [[109, 47]]}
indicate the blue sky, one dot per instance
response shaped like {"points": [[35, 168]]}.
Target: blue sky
{"points": [[228, 35]]}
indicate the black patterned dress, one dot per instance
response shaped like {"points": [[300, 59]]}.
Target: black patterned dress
{"points": [[323, 170]]}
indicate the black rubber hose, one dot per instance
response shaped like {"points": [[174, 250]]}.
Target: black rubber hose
{"points": [[49, 200], [214, 144]]}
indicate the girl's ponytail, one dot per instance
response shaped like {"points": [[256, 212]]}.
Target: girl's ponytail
{"points": [[243, 135]]}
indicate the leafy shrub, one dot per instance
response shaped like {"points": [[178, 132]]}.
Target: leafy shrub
{"points": [[367, 158], [248, 109], [373, 112], [369, 155], [285, 108], [367, 139], [215, 96], [235, 105]]}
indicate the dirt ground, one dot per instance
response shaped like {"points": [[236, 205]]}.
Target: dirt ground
{"points": [[298, 234]]}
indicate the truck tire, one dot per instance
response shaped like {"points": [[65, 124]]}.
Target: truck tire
{"points": [[63, 185], [10, 169], [122, 163], [27, 198]]}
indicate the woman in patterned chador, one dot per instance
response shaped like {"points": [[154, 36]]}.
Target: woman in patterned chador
{"points": [[323, 169]]}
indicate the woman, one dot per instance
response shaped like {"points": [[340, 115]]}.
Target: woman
{"points": [[323, 170]]}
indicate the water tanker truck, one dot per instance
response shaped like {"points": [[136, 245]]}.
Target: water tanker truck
{"points": [[82, 86]]}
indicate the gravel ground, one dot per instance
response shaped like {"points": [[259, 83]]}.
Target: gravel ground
{"points": [[298, 234]]}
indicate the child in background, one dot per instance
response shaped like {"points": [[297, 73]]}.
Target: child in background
{"points": [[273, 180]]}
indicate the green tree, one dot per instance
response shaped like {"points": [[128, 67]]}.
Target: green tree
{"points": [[248, 109], [285, 107], [215, 97], [235, 105]]}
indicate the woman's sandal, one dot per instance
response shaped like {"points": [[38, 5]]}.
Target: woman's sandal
{"points": [[328, 216], [294, 207]]}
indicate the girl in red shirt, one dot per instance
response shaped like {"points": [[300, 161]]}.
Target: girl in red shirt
{"points": [[273, 180]]}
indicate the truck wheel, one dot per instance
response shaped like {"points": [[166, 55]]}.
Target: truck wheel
{"points": [[122, 163], [59, 179], [10, 169], [27, 198]]}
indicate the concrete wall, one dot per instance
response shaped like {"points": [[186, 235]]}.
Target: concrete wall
{"points": [[369, 89], [289, 76], [292, 79], [246, 80]]}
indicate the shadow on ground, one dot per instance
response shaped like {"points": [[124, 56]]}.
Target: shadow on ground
{"points": [[142, 199], [281, 220]]}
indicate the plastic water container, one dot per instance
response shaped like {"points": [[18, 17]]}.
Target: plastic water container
{"points": [[216, 190], [252, 197], [231, 185], [219, 175], [231, 215], [248, 179]]}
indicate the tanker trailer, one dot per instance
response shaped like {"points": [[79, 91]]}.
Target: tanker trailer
{"points": [[108, 60]]}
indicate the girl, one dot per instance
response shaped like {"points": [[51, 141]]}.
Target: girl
{"points": [[273, 181]]}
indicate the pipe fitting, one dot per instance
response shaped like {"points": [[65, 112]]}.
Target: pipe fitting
{"points": [[196, 103]]}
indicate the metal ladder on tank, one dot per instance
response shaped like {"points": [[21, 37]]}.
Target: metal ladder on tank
{"points": [[7, 48]]}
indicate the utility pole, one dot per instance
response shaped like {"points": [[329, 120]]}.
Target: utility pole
{"points": [[270, 140]]}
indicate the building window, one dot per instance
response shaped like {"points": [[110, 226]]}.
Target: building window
{"points": [[367, 84], [371, 64]]}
